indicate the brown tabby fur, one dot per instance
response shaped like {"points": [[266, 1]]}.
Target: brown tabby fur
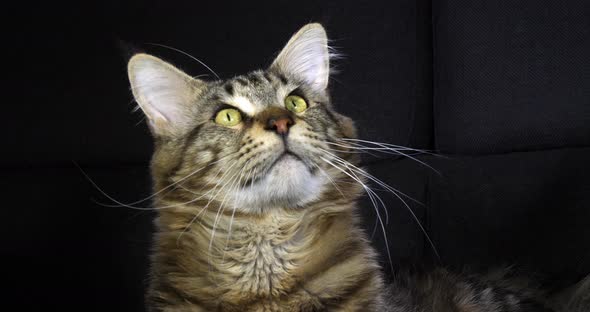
{"points": [[214, 252], [312, 259], [306, 260]]}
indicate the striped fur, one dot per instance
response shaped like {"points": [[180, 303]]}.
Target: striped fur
{"points": [[242, 227], [444, 291]]}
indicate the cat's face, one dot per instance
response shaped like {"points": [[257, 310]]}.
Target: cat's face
{"points": [[252, 142]]}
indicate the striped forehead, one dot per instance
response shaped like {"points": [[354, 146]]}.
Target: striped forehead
{"points": [[254, 92]]}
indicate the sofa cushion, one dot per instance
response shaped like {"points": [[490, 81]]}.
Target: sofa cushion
{"points": [[524, 208], [511, 75]]}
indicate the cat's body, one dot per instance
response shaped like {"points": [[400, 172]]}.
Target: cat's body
{"points": [[282, 261], [278, 258], [501, 290], [256, 188]]}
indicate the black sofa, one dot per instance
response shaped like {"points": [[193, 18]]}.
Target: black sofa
{"points": [[500, 88]]}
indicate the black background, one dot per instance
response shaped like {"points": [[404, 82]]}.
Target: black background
{"points": [[502, 88]]}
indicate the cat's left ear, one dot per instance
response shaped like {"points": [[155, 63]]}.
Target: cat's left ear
{"points": [[306, 57]]}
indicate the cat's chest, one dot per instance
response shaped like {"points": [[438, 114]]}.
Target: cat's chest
{"points": [[260, 260]]}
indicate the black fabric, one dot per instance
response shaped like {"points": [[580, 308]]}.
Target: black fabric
{"points": [[62, 250], [72, 86], [511, 75], [526, 208]]}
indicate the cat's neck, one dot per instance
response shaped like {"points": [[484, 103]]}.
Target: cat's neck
{"points": [[220, 232]]}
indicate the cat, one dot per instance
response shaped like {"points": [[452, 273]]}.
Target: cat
{"points": [[256, 185]]}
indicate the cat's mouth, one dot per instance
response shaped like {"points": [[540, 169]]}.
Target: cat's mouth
{"points": [[284, 158], [285, 155], [288, 156]]}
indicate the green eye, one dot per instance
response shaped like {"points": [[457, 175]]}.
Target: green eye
{"points": [[295, 103], [228, 117]]}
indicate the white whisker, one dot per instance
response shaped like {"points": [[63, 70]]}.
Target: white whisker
{"points": [[235, 181], [329, 178], [392, 146], [210, 199], [131, 205], [395, 192], [192, 57], [231, 220], [389, 150], [374, 179], [375, 205]]}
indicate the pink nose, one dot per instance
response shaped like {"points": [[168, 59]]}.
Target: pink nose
{"points": [[280, 125]]}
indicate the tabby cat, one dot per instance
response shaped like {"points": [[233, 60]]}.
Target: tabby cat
{"points": [[256, 191]]}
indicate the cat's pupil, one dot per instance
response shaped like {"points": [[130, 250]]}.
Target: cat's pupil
{"points": [[228, 116]]}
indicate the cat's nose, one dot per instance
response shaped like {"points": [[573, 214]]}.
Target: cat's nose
{"points": [[279, 124]]}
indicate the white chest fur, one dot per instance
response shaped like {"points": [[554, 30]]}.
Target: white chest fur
{"points": [[259, 258]]}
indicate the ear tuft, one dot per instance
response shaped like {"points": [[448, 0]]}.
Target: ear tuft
{"points": [[163, 92], [306, 56]]}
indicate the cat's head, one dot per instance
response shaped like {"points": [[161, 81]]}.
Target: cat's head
{"points": [[252, 142]]}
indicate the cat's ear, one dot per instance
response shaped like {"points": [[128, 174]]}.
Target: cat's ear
{"points": [[163, 92], [306, 56]]}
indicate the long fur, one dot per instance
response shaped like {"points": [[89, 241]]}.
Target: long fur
{"points": [[253, 219]]}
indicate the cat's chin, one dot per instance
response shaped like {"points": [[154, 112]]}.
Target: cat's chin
{"points": [[288, 184]]}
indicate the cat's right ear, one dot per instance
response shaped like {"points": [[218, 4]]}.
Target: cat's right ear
{"points": [[307, 56], [163, 92]]}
